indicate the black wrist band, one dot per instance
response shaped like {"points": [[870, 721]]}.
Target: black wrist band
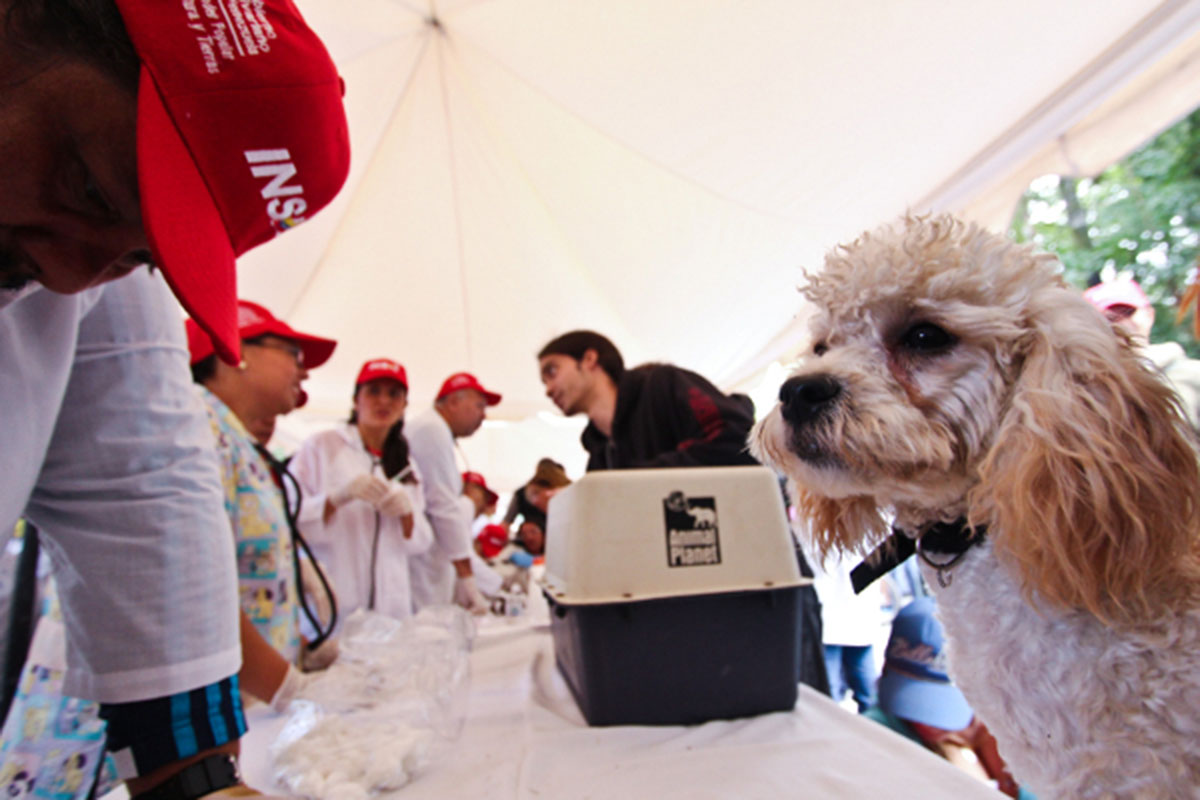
{"points": [[196, 780]]}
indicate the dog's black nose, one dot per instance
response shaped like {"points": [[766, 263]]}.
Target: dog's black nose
{"points": [[803, 398]]}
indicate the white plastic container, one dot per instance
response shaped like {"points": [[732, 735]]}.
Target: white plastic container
{"points": [[674, 595], [613, 536]]}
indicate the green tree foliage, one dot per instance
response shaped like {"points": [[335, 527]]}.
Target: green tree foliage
{"points": [[1140, 217]]}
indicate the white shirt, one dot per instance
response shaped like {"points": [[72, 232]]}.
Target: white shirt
{"points": [[345, 544], [431, 445], [123, 484]]}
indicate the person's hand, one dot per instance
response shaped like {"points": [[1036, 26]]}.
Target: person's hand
{"points": [[293, 683], [396, 503], [467, 595], [320, 658], [311, 586], [366, 487]]}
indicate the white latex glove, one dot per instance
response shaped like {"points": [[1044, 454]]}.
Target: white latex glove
{"points": [[293, 682], [396, 502], [366, 487], [325, 654], [310, 585], [467, 595]]}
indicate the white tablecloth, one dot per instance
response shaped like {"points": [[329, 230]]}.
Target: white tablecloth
{"points": [[524, 739]]}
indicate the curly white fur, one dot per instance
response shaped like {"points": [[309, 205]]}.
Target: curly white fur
{"points": [[952, 374]]}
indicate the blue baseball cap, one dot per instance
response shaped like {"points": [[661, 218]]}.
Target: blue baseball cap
{"points": [[914, 684]]}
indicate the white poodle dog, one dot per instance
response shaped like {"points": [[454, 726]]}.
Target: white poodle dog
{"points": [[1048, 477]]}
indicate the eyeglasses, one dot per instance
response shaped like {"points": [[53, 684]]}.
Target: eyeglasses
{"points": [[291, 348]]}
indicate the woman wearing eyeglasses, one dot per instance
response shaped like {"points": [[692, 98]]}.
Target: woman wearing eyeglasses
{"points": [[363, 510], [243, 403]]}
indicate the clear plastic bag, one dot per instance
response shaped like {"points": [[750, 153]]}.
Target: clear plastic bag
{"points": [[351, 756], [374, 719]]}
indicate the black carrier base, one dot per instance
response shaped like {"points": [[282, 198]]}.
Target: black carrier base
{"points": [[680, 660]]}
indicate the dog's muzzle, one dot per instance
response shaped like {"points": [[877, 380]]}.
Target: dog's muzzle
{"points": [[804, 399], [804, 402]]}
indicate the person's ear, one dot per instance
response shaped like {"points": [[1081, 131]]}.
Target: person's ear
{"points": [[224, 372], [590, 359]]}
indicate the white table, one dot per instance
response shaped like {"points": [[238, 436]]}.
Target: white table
{"points": [[524, 739]]}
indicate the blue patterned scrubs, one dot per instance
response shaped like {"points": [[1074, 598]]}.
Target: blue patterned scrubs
{"points": [[266, 577], [51, 743]]}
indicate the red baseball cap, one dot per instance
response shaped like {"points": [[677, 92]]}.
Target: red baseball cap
{"points": [[465, 380], [1121, 292], [477, 479], [241, 135], [492, 540], [254, 320], [382, 368]]}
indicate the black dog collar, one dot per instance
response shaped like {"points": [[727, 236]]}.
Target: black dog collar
{"points": [[941, 546]]}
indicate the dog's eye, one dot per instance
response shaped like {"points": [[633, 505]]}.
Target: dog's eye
{"points": [[926, 337], [820, 349]]}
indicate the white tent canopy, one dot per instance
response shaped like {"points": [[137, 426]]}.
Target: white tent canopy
{"points": [[661, 170]]}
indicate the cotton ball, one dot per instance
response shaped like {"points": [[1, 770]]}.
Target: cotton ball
{"points": [[344, 756], [417, 755], [305, 784], [386, 771], [345, 791], [396, 757]]}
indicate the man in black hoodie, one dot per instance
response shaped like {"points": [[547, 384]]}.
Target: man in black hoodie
{"points": [[655, 415], [660, 415]]}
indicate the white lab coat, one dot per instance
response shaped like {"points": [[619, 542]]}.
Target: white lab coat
{"points": [[344, 545], [107, 449], [431, 445]]}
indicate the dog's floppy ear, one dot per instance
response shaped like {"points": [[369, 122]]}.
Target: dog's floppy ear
{"points": [[1091, 484]]}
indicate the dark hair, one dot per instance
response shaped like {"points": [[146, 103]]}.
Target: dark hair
{"points": [[576, 343], [205, 369], [395, 447], [540, 524], [395, 451], [89, 29]]}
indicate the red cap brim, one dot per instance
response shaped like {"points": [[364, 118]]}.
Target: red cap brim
{"points": [[184, 228], [316, 350]]}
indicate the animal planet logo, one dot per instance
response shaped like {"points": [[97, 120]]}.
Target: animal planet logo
{"points": [[691, 526], [277, 165]]}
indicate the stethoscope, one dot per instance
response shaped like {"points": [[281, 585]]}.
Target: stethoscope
{"points": [[289, 487], [398, 478]]}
